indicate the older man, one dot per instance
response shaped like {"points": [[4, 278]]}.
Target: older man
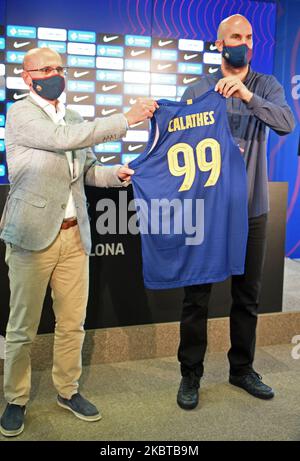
{"points": [[255, 102], [46, 228]]}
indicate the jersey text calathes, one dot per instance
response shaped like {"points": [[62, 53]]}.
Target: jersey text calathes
{"points": [[191, 121]]}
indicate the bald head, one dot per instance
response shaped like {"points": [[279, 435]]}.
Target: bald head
{"points": [[37, 58], [234, 31], [233, 24]]}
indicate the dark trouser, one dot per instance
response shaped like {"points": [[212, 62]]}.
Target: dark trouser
{"points": [[245, 291]]}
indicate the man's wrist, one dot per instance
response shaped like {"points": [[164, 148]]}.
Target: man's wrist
{"points": [[247, 98], [116, 172]]}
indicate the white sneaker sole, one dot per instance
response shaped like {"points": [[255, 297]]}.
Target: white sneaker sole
{"points": [[11, 433], [78, 415]]}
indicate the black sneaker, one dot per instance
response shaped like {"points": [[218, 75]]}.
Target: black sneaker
{"points": [[80, 407], [188, 394], [252, 383], [12, 420]]}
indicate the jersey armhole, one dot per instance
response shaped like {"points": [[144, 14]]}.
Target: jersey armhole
{"points": [[152, 142], [227, 126]]}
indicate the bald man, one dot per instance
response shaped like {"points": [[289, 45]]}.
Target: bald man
{"points": [[255, 103], [46, 228]]}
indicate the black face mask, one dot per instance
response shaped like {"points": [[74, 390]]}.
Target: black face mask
{"points": [[237, 56], [50, 87]]}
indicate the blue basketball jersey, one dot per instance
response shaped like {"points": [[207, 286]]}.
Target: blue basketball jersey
{"points": [[190, 191]]}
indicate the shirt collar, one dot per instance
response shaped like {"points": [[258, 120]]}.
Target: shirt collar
{"points": [[59, 112], [249, 75]]}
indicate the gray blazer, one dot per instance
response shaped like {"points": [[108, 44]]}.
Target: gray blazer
{"points": [[39, 173]]}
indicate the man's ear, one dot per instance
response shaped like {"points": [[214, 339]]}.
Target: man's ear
{"points": [[27, 78], [219, 44]]}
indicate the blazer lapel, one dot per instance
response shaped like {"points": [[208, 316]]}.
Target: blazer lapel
{"points": [[79, 155]]}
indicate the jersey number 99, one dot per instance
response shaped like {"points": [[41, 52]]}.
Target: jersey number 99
{"points": [[188, 169]]}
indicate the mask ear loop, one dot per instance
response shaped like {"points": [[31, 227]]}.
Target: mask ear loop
{"points": [[225, 53]]}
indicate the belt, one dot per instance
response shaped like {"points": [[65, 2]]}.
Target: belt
{"points": [[67, 223]]}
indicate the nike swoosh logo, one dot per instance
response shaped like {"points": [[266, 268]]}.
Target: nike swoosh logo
{"points": [[20, 96], [189, 80], [132, 148], [79, 98], [187, 57], [109, 87], [212, 70], [163, 66], [17, 71], [20, 45], [80, 74], [137, 53], [107, 112], [106, 159], [110, 39], [212, 47], [164, 43], [132, 101]]}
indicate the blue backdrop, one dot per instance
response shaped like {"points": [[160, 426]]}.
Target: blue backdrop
{"points": [[193, 19], [284, 163]]}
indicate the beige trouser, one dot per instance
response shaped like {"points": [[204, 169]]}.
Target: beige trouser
{"points": [[65, 265]]}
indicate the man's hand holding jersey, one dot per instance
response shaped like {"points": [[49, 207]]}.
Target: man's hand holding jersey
{"points": [[143, 109], [233, 86]]}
